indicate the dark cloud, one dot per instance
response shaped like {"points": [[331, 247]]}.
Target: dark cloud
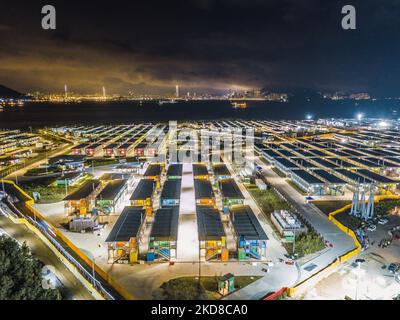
{"points": [[150, 46]]}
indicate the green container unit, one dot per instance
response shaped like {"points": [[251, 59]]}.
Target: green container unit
{"points": [[231, 202], [242, 254], [226, 284]]}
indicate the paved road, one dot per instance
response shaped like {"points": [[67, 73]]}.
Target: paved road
{"points": [[281, 276], [342, 243], [73, 288]]}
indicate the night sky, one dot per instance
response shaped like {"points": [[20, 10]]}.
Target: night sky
{"points": [[204, 46]]}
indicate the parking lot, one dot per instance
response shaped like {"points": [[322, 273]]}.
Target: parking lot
{"points": [[369, 279]]}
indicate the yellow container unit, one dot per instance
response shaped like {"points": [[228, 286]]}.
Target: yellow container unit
{"points": [[211, 233], [133, 256], [124, 238], [81, 201]]}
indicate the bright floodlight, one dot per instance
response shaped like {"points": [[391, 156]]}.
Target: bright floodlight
{"points": [[359, 116], [309, 117], [383, 123]]}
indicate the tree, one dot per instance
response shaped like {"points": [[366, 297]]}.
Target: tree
{"points": [[20, 274], [183, 289], [308, 243]]}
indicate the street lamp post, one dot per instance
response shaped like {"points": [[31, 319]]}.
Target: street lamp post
{"points": [[93, 270], [294, 243], [358, 274], [46, 160], [66, 187]]}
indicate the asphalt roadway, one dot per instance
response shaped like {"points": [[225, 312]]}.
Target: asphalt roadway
{"points": [[72, 288], [342, 243]]}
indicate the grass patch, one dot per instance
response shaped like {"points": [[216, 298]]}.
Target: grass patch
{"points": [[268, 200], [349, 221], [296, 187], [48, 194], [330, 206], [40, 171], [187, 288], [278, 172], [49, 191], [100, 162]]}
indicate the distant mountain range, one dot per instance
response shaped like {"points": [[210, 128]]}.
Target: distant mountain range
{"points": [[7, 93]]}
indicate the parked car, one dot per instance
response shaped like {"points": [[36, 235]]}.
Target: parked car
{"points": [[393, 267], [371, 227], [383, 221]]}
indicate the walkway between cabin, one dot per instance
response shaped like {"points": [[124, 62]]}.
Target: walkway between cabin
{"points": [[188, 243]]}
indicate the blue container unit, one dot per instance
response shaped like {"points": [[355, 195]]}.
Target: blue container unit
{"points": [[251, 238], [150, 256], [253, 248]]}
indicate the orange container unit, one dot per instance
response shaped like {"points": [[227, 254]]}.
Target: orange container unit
{"points": [[149, 211], [224, 254]]}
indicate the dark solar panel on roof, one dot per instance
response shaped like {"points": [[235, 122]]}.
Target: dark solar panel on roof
{"points": [[165, 226], [307, 177], [353, 176], [374, 176], [221, 170], [84, 191], [203, 189], [153, 170], [128, 225], [209, 224], [174, 170], [200, 170], [229, 189], [246, 224], [329, 177], [171, 189], [111, 190], [144, 190]]}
